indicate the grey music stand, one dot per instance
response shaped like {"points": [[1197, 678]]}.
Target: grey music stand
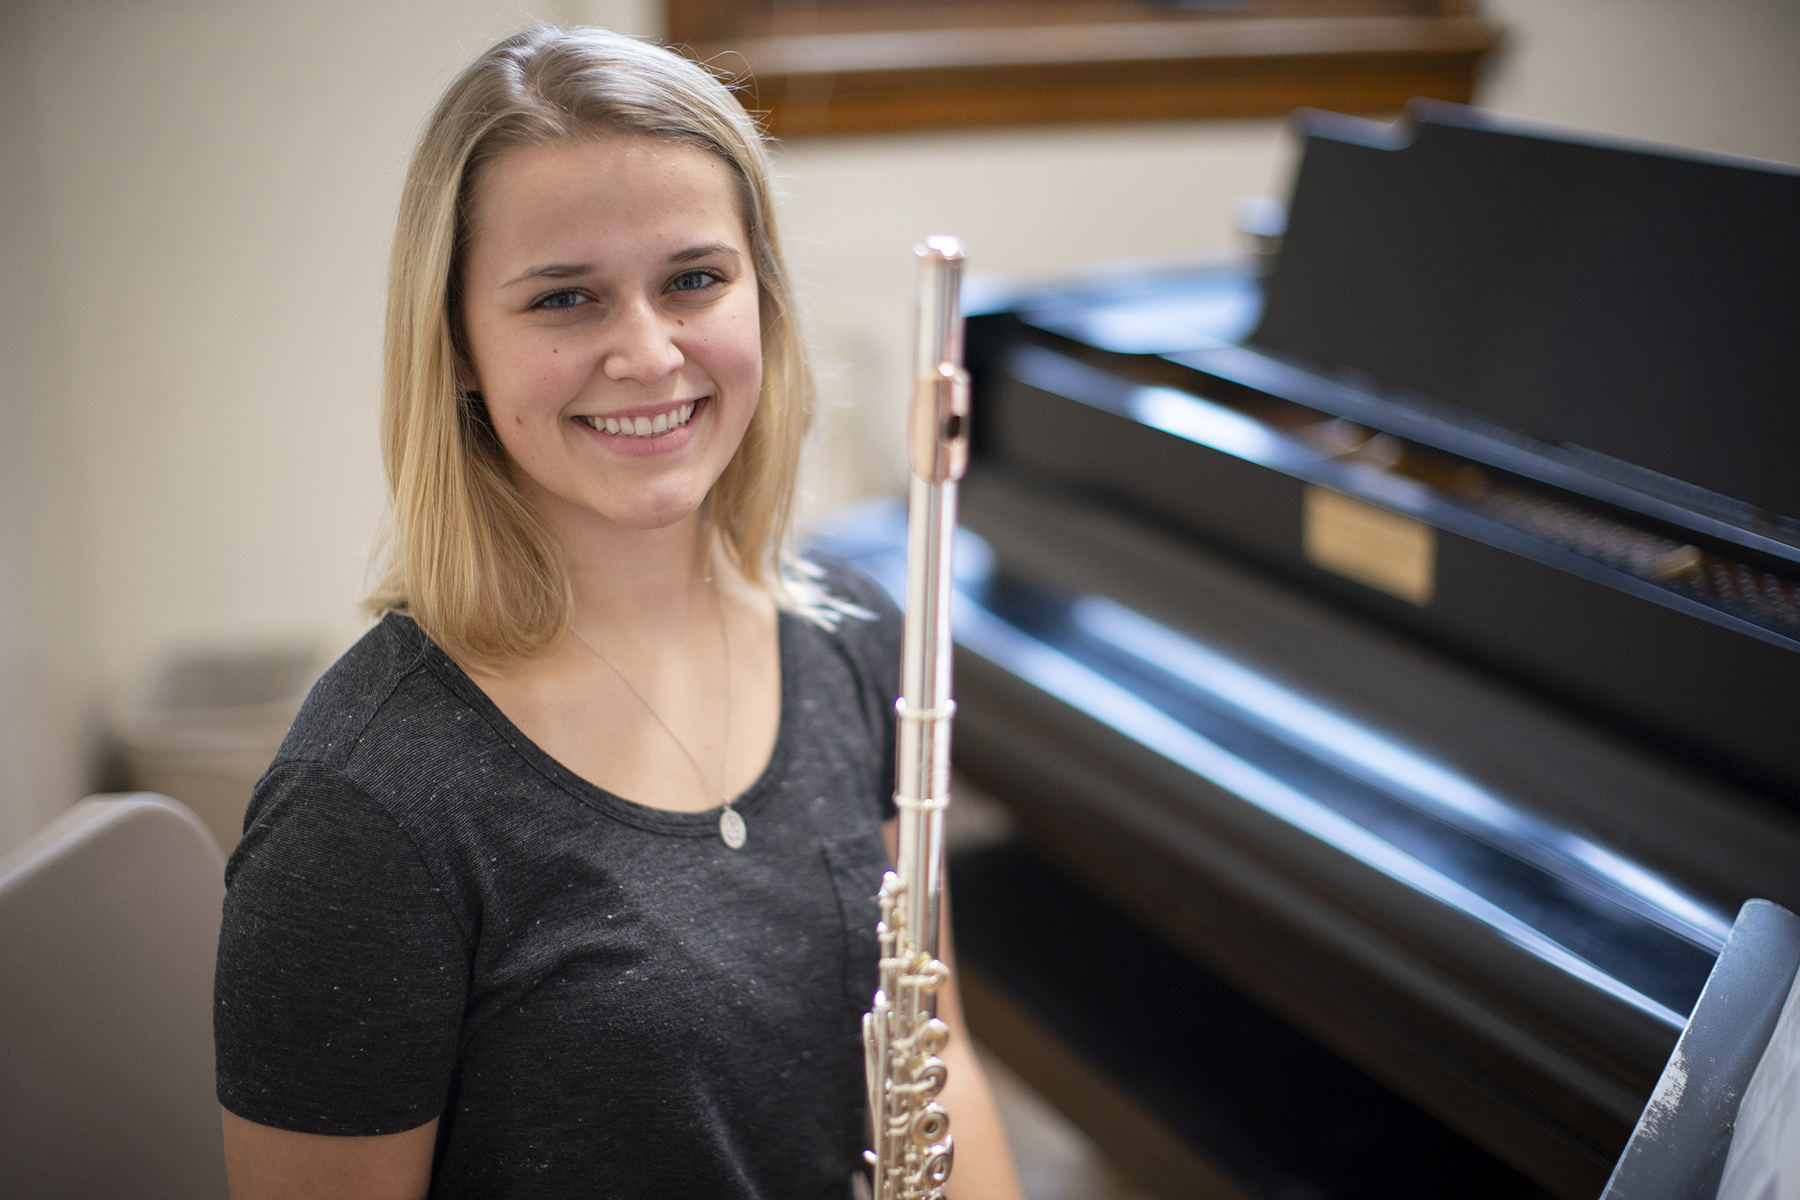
{"points": [[1680, 1146]]}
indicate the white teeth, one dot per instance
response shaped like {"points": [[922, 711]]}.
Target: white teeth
{"points": [[644, 426]]}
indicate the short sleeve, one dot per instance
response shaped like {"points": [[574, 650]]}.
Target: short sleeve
{"points": [[342, 975], [873, 644]]}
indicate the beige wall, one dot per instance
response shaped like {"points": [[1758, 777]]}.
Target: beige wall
{"points": [[1722, 75], [196, 201], [1034, 203], [44, 601]]}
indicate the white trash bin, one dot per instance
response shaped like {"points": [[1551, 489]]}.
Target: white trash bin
{"points": [[208, 725]]}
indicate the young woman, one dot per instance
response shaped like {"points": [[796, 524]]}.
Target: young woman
{"points": [[562, 883]]}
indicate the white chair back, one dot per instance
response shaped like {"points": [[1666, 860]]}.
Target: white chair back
{"points": [[109, 927]]}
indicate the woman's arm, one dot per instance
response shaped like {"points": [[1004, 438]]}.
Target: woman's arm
{"points": [[340, 962], [984, 1168], [264, 1163]]}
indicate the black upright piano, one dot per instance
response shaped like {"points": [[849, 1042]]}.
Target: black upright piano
{"points": [[1389, 655]]}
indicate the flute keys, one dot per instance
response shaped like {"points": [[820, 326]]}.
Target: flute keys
{"points": [[938, 1162], [933, 1036], [929, 1125], [930, 1077]]}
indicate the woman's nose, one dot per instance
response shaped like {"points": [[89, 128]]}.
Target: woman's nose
{"points": [[638, 346]]}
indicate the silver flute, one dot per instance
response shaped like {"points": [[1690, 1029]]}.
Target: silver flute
{"points": [[902, 1035]]}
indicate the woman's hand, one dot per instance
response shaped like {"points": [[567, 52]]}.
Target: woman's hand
{"points": [[263, 1163]]}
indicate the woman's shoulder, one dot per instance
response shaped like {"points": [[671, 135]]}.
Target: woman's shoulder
{"points": [[861, 650], [377, 747], [862, 618], [385, 678]]}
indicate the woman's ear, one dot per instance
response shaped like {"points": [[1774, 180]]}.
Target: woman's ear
{"points": [[466, 380]]}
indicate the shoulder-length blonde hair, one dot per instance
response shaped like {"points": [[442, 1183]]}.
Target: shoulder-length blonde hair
{"points": [[469, 560]]}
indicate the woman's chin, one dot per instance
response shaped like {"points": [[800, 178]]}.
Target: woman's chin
{"points": [[583, 509], [650, 513]]}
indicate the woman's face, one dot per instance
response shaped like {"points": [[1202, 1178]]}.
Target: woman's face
{"points": [[609, 303]]}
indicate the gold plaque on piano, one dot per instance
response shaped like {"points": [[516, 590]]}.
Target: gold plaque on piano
{"points": [[1371, 545]]}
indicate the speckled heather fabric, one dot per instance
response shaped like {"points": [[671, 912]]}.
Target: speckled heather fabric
{"points": [[430, 917]]}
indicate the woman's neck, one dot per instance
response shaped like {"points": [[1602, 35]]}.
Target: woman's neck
{"points": [[648, 583]]}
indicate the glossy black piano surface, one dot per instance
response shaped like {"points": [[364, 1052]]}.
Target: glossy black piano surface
{"points": [[1474, 829]]}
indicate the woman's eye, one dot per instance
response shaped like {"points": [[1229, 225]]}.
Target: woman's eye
{"points": [[561, 300], [691, 281]]}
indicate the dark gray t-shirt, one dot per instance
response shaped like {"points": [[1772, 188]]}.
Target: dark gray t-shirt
{"points": [[430, 917]]}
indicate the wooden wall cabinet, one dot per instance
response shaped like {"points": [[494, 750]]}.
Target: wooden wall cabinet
{"points": [[818, 67]]}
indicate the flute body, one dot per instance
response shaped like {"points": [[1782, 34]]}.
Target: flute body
{"points": [[902, 1035]]}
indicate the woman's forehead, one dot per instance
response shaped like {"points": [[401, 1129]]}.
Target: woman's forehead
{"points": [[599, 191]]}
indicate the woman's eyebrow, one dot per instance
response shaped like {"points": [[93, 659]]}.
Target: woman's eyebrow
{"points": [[552, 271], [707, 251], [572, 270]]}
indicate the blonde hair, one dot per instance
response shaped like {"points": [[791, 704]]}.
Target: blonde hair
{"points": [[469, 560]]}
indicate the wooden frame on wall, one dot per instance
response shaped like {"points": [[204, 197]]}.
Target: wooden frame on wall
{"points": [[820, 67]]}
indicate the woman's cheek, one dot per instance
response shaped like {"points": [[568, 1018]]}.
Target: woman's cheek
{"points": [[747, 366]]}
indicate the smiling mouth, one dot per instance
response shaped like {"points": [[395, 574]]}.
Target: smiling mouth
{"points": [[642, 427]]}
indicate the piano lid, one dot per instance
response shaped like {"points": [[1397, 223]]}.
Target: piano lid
{"points": [[1636, 302]]}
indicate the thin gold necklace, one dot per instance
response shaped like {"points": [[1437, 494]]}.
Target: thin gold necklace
{"points": [[731, 825]]}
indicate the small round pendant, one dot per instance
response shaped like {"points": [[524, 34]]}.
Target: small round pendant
{"points": [[731, 828]]}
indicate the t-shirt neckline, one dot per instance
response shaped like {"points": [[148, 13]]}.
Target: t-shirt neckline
{"points": [[705, 822]]}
